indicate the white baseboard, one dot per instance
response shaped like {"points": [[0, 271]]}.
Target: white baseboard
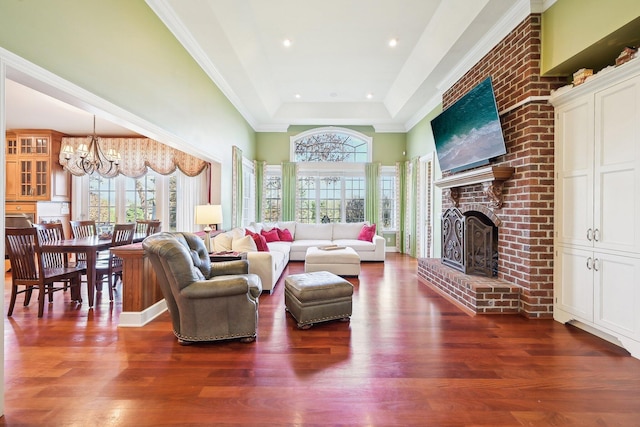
{"points": [[136, 319]]}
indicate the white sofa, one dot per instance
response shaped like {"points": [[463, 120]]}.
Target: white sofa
{"points": [[270, 265]]}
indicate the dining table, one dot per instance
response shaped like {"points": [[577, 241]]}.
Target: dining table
{"points": [[89, 245]]}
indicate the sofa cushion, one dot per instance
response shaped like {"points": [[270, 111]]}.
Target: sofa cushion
{"points": [[349, 230], [284, 247], [358, 245], [303, 245], [367, 233], [313, 231]]}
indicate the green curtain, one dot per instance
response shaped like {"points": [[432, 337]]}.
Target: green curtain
{"points": [[289, 181], [372, 194], [259, 171], [413, 213], [402, 177], [237, 187]]}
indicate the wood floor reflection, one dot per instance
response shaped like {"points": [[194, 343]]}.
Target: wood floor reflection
{"points": [[407, 357]]}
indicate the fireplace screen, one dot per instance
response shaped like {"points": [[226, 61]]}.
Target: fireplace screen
{"points": [[469, 242]]}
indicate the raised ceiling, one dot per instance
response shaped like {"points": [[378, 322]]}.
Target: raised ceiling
{"points": [[339, 54]]}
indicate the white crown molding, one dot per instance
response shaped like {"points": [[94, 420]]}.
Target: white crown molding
{"points": [[423, 112], [36, 77], [169, 18]]}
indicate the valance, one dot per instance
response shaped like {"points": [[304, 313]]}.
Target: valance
{"points": [[136, 156]]}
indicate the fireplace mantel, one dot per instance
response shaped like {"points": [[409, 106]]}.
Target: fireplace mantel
{"points": [[491, 177]]}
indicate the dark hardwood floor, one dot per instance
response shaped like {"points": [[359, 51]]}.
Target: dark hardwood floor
{"points": [[407, 357]]}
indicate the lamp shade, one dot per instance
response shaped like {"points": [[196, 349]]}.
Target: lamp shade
{"points": [[208, 214]]}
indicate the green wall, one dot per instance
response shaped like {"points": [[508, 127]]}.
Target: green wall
{"points": [[587, 34], [274, 147], [121, 51]]}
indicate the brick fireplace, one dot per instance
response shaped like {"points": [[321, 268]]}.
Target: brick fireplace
{"points": [[524, 280]]}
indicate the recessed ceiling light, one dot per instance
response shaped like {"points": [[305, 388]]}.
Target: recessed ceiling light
{"points": [[369, 96], [297, 96], [286, 43], [393, 42]]}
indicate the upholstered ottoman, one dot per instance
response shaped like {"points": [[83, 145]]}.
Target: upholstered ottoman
{"points": [[317, 297], [343, 262]]}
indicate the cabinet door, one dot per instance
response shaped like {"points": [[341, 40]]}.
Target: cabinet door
{"points": [[617, 167], [11, 176], [34, 178], [617, 293], [574, 172], [574, 282]]}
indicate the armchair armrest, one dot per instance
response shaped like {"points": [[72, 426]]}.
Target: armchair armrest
{"points": [[229, 267], [216, 287]]}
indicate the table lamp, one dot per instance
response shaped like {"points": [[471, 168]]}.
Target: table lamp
{"points": [[207, 215]]}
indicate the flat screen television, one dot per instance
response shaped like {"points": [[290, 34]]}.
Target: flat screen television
{"points": [[468, 133]]}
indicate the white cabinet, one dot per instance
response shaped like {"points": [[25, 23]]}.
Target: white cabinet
{"points": [[597, 205]]}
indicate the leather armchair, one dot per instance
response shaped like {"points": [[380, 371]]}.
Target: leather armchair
{"points": [[207, 301]]}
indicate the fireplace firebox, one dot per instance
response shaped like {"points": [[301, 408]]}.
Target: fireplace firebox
{"points": [[469, 242]]}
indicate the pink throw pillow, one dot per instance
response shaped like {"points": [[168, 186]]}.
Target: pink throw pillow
{"points": [[284, 235], [367, 233], [271, 235]]}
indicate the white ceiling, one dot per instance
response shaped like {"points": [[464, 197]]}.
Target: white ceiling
{"points": [[339, 54]]}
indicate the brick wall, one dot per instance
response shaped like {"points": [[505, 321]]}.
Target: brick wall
{"points": [[525, 241]]}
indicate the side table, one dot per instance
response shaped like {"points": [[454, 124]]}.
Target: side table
{"points": [[227, 256]]}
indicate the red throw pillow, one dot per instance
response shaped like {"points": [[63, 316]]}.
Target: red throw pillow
{"points": [[261, 242], [271, 235], [367, 233], [284, 235]]}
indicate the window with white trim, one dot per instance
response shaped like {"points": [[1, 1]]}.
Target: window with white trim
{"points": [[388, 198], [331, 182], [248, 192], [272, 194]]}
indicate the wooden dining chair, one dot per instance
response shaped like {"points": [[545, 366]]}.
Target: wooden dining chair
{"points": [[111, 267], [148, 226], [83, 228], [28, 269], [51, 232]]}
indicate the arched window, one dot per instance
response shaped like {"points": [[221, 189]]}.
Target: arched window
{"points": [[331, 144], [330, 182]]}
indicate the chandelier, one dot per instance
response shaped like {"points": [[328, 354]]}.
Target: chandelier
{"points": [[91, 157]]}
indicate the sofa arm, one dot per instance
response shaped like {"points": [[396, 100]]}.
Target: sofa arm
{"points": [[229, 267], [263, 264]]}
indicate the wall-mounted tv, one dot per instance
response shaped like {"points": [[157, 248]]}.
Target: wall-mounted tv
{"points": [[468, 133]]}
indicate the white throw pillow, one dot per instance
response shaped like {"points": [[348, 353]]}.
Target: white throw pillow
{"points": [[222, 242], [244, 244]]}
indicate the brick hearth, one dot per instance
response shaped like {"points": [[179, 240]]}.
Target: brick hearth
{"points": [[474, 294]]}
